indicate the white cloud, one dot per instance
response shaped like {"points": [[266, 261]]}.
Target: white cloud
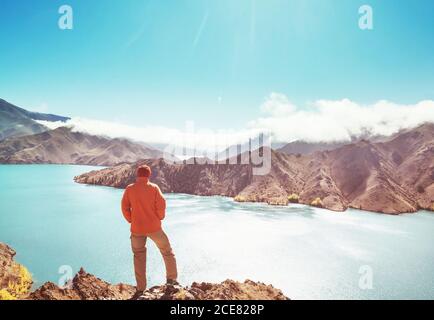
{"points": [[323, 120], [326, 120], [190, 137], [278, 105]]}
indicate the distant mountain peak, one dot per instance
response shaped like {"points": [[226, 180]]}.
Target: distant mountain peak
{"points": [[65, 146], [393, 176], [16, 121]]}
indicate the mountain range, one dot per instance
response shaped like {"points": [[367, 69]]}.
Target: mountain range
{"points": [[16, 121], [384, 174], [303, 147], [64, 146], [393, 176], [23, 140]]}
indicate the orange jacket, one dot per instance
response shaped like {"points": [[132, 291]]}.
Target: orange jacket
{"points": [[144, 206]]}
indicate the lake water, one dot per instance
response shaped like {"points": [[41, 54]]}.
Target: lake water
{"points": [[309, 253]]}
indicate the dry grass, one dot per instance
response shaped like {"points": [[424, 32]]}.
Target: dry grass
{"points": [[240, 199], [293, 198], [317, 203], [5, 295], [19, 286]]}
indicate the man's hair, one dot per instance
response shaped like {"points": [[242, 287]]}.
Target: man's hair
{"points": [[144, 171]]}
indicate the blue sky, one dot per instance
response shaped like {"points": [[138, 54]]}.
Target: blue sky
{"points": [[215, 62]]}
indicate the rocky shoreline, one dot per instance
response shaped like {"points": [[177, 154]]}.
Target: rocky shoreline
{"points": [[86, 286], [393, 176]]}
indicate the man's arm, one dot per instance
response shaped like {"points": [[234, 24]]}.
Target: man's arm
{"points": [[160, 204], [126, 206]]}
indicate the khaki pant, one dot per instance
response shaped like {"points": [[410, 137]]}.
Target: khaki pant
{"points": [[138, 244]]}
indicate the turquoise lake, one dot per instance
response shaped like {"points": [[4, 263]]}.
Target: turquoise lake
{"points": [[309, 253]]}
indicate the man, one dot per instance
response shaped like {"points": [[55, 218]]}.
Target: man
{"points": [[144, 207]]}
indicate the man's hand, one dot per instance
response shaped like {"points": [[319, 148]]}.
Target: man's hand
{"points": [[126, 206]]}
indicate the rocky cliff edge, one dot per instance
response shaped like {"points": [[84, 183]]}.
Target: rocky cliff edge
{"points": [[15, 283]]}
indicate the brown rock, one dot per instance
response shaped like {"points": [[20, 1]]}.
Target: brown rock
{"points": [[15, 280], [84, 286], [8, 269], [232, 290], [88, 287]]}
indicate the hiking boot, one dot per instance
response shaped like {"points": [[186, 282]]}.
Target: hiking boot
{"points": [[172, 282], [136, 295]]}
